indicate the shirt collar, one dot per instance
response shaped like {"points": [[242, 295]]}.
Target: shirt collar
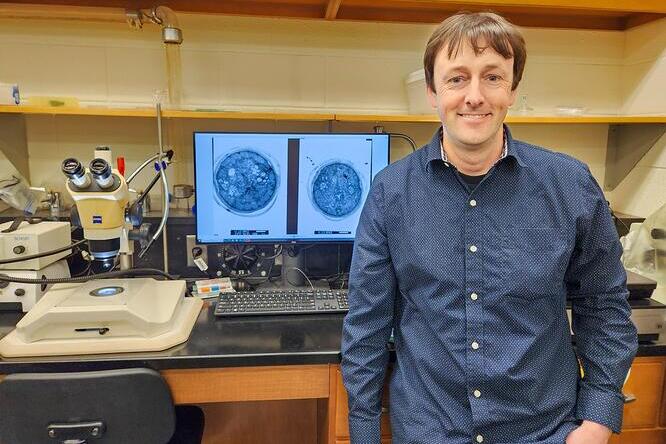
{"points": [[445, 158], [434, 149]]}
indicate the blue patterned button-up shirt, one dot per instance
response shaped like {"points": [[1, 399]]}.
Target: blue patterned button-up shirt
{"points": [[474, 284]]}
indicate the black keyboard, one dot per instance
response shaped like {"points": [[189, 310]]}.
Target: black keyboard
{"points": [[279, 302]]}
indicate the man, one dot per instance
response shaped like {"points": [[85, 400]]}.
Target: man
{"points": [[468, 249]]}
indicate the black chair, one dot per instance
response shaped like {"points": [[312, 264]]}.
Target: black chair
{"points": [[111, 406]]}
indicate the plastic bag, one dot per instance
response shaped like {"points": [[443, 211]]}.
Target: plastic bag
{"points": [[15, 193], [645, 247]]}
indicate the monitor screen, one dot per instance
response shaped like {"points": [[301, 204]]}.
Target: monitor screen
{"points": [[282, 188]]}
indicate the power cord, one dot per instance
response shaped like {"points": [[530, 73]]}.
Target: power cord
{"points": [[305, 275], [107, 275], [276, 253], [43, 254], [405, 137], [380, 130], [615, 217]]}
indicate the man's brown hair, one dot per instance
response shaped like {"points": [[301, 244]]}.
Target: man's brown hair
{"points": [[476, 27]]}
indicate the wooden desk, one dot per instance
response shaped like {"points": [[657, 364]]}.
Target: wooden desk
{"points": [[264, 380], [247, 405], [277, 380]]}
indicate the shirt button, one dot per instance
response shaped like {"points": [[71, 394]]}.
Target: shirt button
{"points": [[472, 203], [479, 438], [477, 394], [473, 248], [474, 296], [475, 345]]}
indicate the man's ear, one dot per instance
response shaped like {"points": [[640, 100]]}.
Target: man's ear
{"points": [[432, 96], [512, 96]]}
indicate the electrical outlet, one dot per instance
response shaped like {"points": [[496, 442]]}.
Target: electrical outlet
{"points": [[191, 241]]}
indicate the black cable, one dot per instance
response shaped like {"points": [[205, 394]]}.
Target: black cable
{"points": [[276, 253], [108, 275], [86, 271], [294, 250], [405, 137], [342, 277], [43, 254], [261, 280], [618, 218]]}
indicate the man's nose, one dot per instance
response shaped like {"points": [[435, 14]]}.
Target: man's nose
{"points": [[474, 95]]}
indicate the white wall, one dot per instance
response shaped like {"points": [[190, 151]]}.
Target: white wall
{"points": [[265, 64], [253, 64], [643, 191]]}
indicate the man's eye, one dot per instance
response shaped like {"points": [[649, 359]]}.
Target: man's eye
{"points": [[494, 78], [456, 80]]}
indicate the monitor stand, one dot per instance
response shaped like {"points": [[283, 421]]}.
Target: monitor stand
{"points": [[292, 258]]}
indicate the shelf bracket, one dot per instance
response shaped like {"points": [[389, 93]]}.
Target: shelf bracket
{"points": [[627, 144], [13, 148], [14, 143]]}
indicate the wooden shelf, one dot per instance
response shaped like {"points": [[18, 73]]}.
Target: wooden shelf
{"points": [[67, 111], [509, 119], [183, 114], [166, 113], [234, 115], [586, 119], [582, 14]]}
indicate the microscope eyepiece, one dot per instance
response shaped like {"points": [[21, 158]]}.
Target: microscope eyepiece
{"points": [[73, 169], [101, 172]]}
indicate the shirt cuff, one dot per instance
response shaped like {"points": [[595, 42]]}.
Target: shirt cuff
{"points": [[602, 407], [364, 432]]}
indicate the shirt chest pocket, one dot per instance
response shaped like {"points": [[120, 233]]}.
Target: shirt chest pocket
{"points": [[536, 260]]}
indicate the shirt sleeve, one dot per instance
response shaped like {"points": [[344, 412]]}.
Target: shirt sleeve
{"points": [[367, 326], [606, 338]]}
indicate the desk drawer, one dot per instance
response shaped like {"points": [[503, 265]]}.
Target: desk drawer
{"points": [[646, 383], [342, 412], [653, 436]]}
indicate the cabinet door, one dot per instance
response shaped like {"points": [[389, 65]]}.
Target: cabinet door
{"points": [[646, 382], [642, 417], [640, 437], [342, 412]]}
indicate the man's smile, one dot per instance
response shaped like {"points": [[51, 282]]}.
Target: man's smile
{"points": [[474, 115]]}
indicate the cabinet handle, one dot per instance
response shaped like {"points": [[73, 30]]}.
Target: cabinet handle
{"points": [[629, 398]]}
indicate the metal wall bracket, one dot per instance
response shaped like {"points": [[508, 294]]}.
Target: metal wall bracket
{"points": [[14, 144], [627, 144]]}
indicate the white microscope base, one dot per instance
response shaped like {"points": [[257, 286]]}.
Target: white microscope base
{"points": [[188, 312]]}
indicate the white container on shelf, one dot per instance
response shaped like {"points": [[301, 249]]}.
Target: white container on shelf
{"points": [[9, 94], [417, 99]]}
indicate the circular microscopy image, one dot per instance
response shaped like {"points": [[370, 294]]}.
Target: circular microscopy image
{"points": [[336, 189], [246, 182]]}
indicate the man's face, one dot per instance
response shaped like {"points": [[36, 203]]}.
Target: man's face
{"points": [[472, 94]]}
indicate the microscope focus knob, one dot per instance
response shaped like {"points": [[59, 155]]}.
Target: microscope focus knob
{"points": [[19, 249]]}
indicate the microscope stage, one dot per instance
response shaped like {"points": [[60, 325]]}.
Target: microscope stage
{"points": [[105, 316]]}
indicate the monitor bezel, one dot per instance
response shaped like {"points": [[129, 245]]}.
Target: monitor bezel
{"points": [[267, 241]]}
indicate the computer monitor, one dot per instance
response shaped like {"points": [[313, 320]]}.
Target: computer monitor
{"points": [[283, 188]]}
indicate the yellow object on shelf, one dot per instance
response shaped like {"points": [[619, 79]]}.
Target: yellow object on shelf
{"points": [[53, 102]]}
